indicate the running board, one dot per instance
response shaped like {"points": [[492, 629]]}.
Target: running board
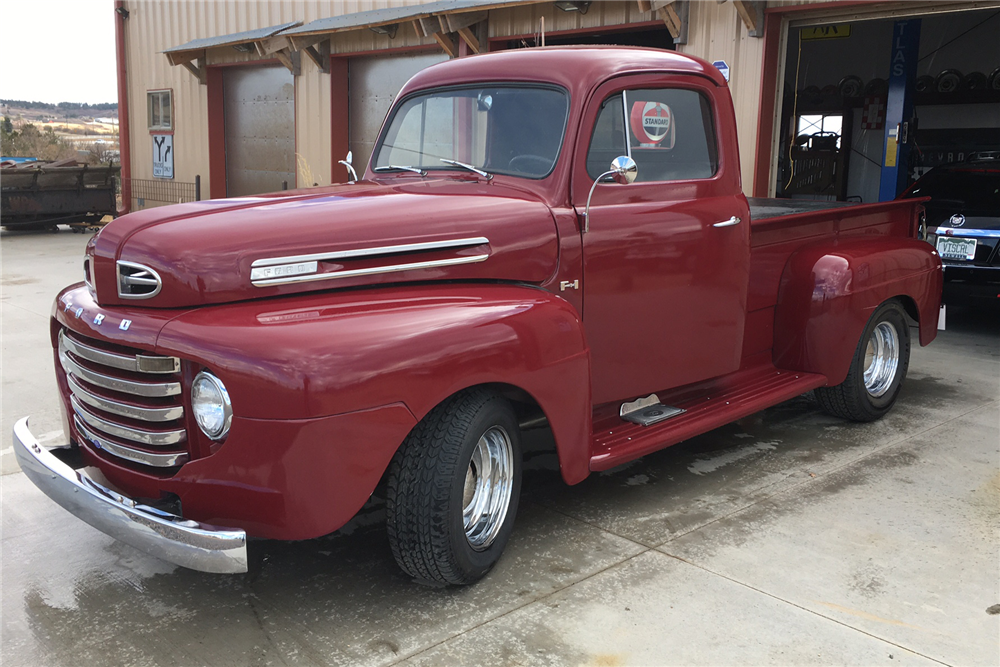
{"points": [[648, 411], [706, 407]]}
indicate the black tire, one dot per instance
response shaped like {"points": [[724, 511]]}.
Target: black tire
{"points": [[853, 399], [427, 489]]}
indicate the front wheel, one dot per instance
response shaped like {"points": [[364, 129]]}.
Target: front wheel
{"points": [[453, 489], [877, 369]]}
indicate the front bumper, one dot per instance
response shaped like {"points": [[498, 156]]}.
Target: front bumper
{"points": [[167, 536]]}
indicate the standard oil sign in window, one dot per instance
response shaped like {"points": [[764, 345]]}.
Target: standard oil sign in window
{"points": [[160, 117]]}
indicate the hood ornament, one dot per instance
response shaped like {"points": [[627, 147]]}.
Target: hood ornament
{"points": [[957, 220]]}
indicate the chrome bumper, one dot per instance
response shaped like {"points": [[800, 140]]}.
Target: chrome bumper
{"points": [[158, 533]]}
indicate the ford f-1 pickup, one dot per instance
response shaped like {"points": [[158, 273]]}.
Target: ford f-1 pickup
{"points": [[552, 237]]}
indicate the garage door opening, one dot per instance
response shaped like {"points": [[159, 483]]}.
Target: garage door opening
{"points": [[840, 130]]}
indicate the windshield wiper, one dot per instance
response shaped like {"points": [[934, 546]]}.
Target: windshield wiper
{"points": [[488, 176], [393, 167]]}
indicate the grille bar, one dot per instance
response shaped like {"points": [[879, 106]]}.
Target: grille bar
{"points": [[139, 363], [154, 438], [138, 456], [124, 409], [116, 410], [147, 389]]}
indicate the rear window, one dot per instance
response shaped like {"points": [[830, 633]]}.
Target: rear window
{"points": [[971, 189]]}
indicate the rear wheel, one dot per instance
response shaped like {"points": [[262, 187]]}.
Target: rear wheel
{"points": [[877, 369], [453, 489]]}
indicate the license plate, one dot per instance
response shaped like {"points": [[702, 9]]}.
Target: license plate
{"points": [[952, 248]]}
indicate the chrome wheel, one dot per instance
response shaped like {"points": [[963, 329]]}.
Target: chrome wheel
{"points": [[489, 483], [881, 359]]}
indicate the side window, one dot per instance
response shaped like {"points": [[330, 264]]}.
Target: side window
{"points": [[670, 131]]}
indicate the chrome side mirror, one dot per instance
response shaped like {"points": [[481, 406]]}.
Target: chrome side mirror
{"points": [[623, 170], [350, 167]]}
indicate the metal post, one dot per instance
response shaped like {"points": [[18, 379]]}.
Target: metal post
{"points": [[197, 187], [899, 108]]}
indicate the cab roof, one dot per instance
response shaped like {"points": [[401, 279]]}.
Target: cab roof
{"points": [[576, 68]]}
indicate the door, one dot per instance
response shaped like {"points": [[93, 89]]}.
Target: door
{"points": [[374, 83], [666, 258], [259, 104]]}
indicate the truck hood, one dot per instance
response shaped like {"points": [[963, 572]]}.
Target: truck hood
{"points": [[327, 238]]}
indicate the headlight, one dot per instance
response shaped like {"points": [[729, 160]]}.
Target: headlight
{"points": [[211, 406]]}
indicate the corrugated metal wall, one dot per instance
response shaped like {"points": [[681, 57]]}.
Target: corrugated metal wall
{"points": [[716, 32], [155, 25], [526, 19]]}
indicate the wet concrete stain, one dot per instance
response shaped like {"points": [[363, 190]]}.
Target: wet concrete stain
{"points": [[11, 280], [927, 390]]}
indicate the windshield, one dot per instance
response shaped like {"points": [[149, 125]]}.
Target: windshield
{"points": [[501, 129]]}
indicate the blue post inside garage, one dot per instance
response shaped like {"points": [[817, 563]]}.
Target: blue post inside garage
{"points": [[899, 108]]}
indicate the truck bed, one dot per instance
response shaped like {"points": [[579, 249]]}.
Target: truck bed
{"points": [[762, 208], [779, 227]]}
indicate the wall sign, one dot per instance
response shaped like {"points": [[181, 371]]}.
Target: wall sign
{"points": [[722, 67], [837, 31], [163, 155]]}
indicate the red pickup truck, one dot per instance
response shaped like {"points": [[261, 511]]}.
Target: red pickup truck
{"points": [[259, 366]]}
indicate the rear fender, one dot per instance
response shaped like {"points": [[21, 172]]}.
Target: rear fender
{"points": [[829, 290], [329, 354]]}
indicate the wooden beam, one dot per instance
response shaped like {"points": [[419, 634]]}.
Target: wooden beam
{"points": [[446, 43], [668, 14], [300, 42], [752, 13], [182, 57], [455, 22], [427, 26], [198, 70], [469, 38], [644, 5], [320, 54], [291, 60], [268, 46]]}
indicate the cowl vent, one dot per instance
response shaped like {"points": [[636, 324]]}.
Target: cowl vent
{"points": [[136, 281]]}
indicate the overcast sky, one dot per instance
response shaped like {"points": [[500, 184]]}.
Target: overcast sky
{"points": [[58, 51]]}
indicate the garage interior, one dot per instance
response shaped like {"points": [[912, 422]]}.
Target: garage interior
{"points": [[836, 96]]}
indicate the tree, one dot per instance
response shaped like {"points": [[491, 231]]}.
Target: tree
{"points": [[29, 141]]}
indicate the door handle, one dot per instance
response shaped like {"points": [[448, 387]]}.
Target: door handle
{"points": [[728, 223]]}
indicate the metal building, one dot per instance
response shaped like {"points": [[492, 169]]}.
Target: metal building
{"points": [[249, 96]]}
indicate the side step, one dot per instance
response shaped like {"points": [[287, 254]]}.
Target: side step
{"points": [[704, 407], [648, 411]]}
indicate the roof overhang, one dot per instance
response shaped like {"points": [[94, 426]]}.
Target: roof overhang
{"points": [[432, 19], [265, 41], [446, 21]]}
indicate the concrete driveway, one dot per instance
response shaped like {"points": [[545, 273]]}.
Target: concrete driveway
{"points": [[787, 538]]}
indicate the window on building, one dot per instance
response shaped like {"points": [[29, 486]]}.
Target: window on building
{"points": [[159, 111], [821, 125]]}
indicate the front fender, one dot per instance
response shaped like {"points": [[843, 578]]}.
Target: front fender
{"points": [[829, 290], [327, 354]]}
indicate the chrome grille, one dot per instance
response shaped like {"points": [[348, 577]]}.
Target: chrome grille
{"points": [[125, 404]]}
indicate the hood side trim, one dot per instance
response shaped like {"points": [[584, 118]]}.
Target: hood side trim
{"points": [[410, 266], [372, 252]]}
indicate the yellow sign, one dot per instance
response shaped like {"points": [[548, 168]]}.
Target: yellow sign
{"points": [[890, 151], [836, 31]]}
